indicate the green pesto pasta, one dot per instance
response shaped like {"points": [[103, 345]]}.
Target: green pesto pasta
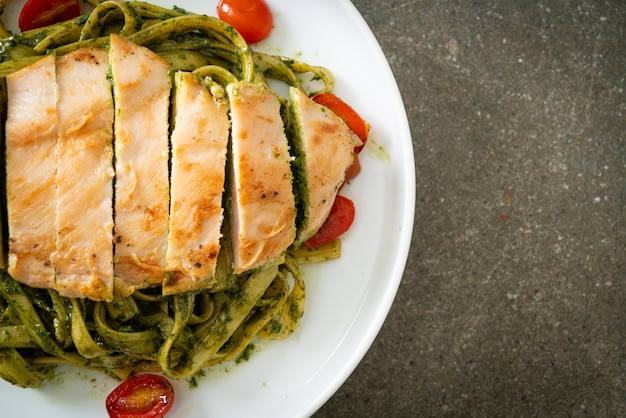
{"points": [[146, 331]]}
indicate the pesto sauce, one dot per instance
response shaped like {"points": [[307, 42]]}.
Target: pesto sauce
{"points": [[377, 150], [245, 354]]}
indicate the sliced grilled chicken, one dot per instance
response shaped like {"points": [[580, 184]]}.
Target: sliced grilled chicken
{"points": [[324, 149], [263, 207], [84, 179], [62, 233], [31, 137], [199, 141], [141, 89]]}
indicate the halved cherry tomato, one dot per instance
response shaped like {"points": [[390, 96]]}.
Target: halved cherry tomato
{"points": [[355, 122], [141, 396], [339, 220], [38, 13], [354, 169], [252, 18]]}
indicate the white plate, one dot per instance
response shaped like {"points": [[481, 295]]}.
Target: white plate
{"points": [[347, 299]]}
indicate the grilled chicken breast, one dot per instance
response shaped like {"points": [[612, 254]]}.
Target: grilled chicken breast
{"points": [[263, 206], [199, 141], [31, 136], [88, 223], [84, 177], [141, 89], [324, 148]]}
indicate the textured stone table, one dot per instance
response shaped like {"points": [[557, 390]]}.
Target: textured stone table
{"points": [[513, 302]]}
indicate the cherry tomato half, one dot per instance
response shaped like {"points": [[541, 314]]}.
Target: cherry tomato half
{"points": [[141, 396], [38, 13], [354, 169], [355, 122], [339, 220], [252, 18]]}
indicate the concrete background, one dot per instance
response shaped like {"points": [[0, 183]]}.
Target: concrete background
{"points": [[513, 302]]}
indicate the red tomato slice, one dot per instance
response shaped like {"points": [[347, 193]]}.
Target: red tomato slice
{"points": [[355, 122], [252, 18], [38, 13], [339, 220], [141, 396]]}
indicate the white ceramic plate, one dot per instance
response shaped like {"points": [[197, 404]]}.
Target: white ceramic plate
{"points": [[347, 299]]}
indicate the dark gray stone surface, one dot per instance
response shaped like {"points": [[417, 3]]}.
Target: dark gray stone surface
{"points": [[513, 302]]}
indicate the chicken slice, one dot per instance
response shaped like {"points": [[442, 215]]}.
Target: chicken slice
{"points": [[199, 141], [31, 137], [141, 90], [263, 206], [324, 148], [84, 179]]}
